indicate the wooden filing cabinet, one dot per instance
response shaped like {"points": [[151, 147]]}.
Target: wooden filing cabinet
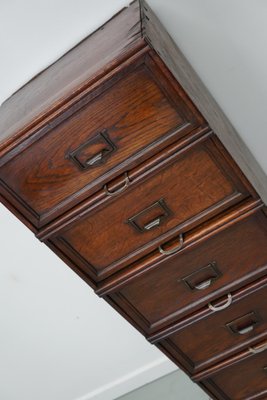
{"points": [[117, 126], [196, 275], [170, 202], [244, 379], [107, 159], [233, 328]]}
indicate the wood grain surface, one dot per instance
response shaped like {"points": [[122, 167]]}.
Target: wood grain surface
{"points": [[240, 255], [195, 184], [77, 70]]}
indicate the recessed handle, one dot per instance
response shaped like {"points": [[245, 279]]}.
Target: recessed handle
{"points": [[151, 217], [175, 250], [244, 324], [203, 285], [223, 307], [121, 189], [202, 278], [259, 349], [94, 152]]}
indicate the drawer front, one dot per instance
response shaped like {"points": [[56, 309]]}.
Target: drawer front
{"points": [[129, 121], [246, 380], [220, 334], [195, 276], [184, 189]]}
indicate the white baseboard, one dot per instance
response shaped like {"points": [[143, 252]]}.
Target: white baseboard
{"points": [[132, 381]]}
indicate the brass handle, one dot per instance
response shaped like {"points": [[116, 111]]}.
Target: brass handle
{"points": [[258, 350], [152, 224], [224, 306], [120, 190], [203, 285], [175, 250]]}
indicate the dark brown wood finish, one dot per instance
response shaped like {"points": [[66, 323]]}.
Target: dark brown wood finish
{"points": [[128, 119], [118, 185], [188, 187], [245, 380], [220, 334], [107, 160], [239, 254], [95, 58], [192, 238]]}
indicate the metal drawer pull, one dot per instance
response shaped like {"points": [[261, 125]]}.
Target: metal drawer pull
{"points": [[152, 224], [202, 278], [245, 330], [224, 306], [151, 217], [244, 324], [120, 190], [98, 157], [168, 252], [262, 348], [94, 152], [203, 285]]}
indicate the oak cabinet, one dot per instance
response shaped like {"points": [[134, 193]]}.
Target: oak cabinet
{"points": [[120, 161]]}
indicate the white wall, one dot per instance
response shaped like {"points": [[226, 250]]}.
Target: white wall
{"points": [[33, 34], [175, 386], [225, 41], [58, 340]]}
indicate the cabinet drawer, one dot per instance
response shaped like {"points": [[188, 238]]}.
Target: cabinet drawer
{"points": [[220, 334], [183, 190], [245, 380], [123, 122], [185, 282]]}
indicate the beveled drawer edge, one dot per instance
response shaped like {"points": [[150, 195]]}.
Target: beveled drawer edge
{"points": [[62, 113], [146, 58], [173, 322], [167, 157], [137, 269], [129, 167], [137, 174], [125, 315], [228, 362], [14, 208], [10, 148], [192, 367], [213, 390], [236, 295], [151, 246], [71, 264], [179, 362]]}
